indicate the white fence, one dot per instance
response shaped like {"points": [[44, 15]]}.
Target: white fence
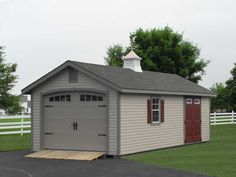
{"points": [[9, 127], [223, 118], [20, 126]]}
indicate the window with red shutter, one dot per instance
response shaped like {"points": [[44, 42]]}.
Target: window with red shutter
{"points": [[155, 110], [149, 111], [162, 111]]}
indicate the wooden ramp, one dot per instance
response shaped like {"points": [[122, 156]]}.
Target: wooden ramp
{"points": [[66, 155]]}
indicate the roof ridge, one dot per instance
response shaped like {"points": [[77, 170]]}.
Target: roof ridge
{"points": [[95, 64], [117, 67]]}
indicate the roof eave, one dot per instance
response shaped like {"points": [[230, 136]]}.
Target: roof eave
{"points": [[29, 88], [167, 92]]}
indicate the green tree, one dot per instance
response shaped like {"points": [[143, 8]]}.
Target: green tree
{"points": [[9, 102], [164, 50], [231, 88], [114, 55], [220, 102]]}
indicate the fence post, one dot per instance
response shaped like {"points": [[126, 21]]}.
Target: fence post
{"points": [[214, 118], [232, 117], [22, 123]]}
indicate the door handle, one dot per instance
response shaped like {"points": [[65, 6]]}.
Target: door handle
{"points": [[76, 126], [73, 125]]}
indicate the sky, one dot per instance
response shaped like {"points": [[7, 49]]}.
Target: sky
{"points": [[39, 35]]}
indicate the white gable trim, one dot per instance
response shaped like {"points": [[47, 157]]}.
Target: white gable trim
{"points": [[29, 88]]}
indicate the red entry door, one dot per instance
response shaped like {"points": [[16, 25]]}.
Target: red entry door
{"points": [[192, 119]]}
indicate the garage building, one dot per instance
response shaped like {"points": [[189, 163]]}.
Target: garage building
{"points": [[82, 106]]}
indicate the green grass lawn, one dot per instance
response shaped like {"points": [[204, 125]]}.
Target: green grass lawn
{"points": [[215, 158], [15, 142], [14, 120]]}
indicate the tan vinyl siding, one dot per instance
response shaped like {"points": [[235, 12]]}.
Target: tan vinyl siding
{"points": [[61, 81], [136, 135], [205, 116]]}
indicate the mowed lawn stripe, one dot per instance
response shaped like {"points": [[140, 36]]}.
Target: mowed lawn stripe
{"points": [[15, 142], [216, 158]]}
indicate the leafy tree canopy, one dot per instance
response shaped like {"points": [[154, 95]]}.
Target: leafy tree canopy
{"points": [[221, 101], [226, 94], [115, 54], [231, 88], [162, 50], [10, 103]]}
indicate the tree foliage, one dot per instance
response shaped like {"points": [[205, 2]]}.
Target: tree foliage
{"points": [[226, 94], [10, 103], [163, 50], [221, 101], [231, 88], [114, 55]]}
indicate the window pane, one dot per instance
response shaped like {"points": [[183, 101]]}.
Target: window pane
{"points": [[57, 98], [189, 101], [196, 101], [51, 99], [68, 98], [82, 97], [155, 116], [62, 98], [156, 106], [155, 101], [94, 98], [100, 98], [88, 97]]}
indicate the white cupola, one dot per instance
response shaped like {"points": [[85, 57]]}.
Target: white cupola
{"points": [[132, 61]]}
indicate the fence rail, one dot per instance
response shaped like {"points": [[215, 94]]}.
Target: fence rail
{"points": [[20, 126], [23, 126], [223, 118], [15, 117]]}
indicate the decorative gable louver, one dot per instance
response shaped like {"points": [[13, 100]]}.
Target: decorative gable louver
{"points": [[73, 75]]}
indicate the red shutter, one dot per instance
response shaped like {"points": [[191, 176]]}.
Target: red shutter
{"points": [[149, 111], [162, 111]]}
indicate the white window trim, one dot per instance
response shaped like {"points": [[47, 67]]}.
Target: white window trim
{"points": [[155, 122], [189, 101], [198, 101]]}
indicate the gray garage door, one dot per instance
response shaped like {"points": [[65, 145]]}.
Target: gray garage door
{"points": [[75, 120]]}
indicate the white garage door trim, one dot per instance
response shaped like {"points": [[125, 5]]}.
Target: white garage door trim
{"points": [[95, 91]]}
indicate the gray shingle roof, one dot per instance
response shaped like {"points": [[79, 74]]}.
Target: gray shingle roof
{"points": [[146, 80]]}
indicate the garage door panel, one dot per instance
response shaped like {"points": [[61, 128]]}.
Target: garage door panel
{"points": [[63, 126], [69, 142], [90, 117]]}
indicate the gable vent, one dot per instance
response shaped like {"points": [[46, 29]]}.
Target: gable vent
{"points": [[73, 75]]}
